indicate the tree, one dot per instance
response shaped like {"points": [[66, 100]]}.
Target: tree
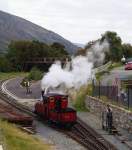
{"points": [[57, 45], [127, 50], [4, 64], [21, 51], [115, 42], [58, 50], [90, 44], [81, 51]]}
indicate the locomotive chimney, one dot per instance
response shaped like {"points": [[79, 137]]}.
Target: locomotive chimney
{"points": [[42, 93]]}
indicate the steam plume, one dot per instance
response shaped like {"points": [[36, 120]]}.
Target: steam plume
{"points": [[80, 73], [96, 53]]}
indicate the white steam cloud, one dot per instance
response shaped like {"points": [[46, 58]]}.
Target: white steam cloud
{"points": [[76, 73], [96, 53]]}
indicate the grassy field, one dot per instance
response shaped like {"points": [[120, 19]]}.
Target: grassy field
{"points": [[115, 65], [14, 139], [4, 76]]}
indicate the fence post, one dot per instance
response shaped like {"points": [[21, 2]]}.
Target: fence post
{"points": [[99, 88], [107, 92], [128, 96], [117, 94], [93, 88]]}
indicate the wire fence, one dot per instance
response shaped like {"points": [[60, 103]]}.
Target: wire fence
{"points": [[120, 97]]}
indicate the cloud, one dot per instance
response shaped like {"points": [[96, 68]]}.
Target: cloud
{"points": [[76, 20]]}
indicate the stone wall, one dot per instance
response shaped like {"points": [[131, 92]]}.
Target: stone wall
{"points": [[122, 118]]}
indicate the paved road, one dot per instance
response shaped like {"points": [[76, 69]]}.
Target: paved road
{"points": [[115, 75], [15, 88]]}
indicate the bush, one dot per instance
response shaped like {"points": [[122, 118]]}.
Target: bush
{"points": [[35, 74], [100, 74], [115, 65], [80, 98], [4, 64]]}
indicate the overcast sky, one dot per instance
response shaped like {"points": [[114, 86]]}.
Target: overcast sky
{"points": [[76, 20]]}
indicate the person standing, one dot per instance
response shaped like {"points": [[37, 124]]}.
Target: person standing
{"points": [[28, 87], [27, 83], [109, 119]]}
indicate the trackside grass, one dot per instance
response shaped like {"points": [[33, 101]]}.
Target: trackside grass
{"points": [[115, 65], [4, 76], [79, 102], [111, 67], [15, 139]]}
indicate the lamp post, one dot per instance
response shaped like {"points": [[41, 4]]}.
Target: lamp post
{"points": [[123, 59]]}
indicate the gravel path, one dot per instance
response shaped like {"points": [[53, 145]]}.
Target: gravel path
{"points": [[61, 141]]}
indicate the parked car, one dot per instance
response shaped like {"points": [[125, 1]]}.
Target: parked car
{"points": [[128, 66]]}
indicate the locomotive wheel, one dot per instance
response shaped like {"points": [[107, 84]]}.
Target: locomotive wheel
{"points": [[68, 126], [50, 122]]}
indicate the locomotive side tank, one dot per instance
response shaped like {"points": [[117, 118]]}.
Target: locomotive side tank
{"points": [[54, 108]]}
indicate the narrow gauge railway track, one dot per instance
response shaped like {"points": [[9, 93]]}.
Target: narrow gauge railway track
{"points": [[15, 104], [88, 137], [80, 132], [20, 115]]}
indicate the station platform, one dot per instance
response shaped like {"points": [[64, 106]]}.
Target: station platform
{"points": [[122, 142]]}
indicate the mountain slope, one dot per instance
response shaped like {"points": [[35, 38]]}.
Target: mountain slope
{"points": [[16, 28], [80, 45]]}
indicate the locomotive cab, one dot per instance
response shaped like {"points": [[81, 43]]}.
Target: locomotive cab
{"points": [[61, 102]]}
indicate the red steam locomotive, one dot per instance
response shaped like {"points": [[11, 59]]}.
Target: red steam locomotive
{"points": [[54, 108]]}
